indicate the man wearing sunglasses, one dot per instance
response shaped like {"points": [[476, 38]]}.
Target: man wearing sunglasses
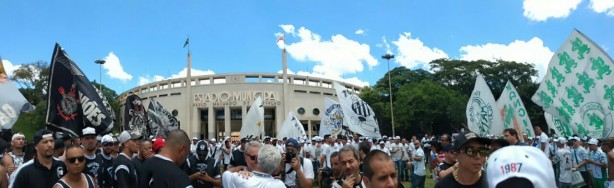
{"points": [[105, 174], [75, 177], [43, 170], [472, 151]]}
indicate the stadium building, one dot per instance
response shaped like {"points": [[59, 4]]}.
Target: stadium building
{"points": [[213, 105]]}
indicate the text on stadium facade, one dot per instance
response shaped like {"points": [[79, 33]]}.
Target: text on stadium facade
{"points": [[236, 98]]}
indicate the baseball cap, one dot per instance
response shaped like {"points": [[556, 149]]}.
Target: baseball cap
{"points": [[464, 137], [562, 140], [592, 141], [194, 138], [127, 135], [42, 134], [88, 131], [382, 142], [201, 148], [530, 164], [212, 140], [575, 138], [158, 144], [106, 139], [18, 135], [293, 141]]}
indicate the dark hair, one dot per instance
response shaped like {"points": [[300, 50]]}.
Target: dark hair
{"points": [[349, 148], [364, 146], [512, 132], [375, 154], [500, 142], [334, 154], [515, 182]]}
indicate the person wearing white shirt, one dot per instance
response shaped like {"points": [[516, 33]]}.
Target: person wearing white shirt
{"points": [[562, 157], [543, 141], [578, 155], [296, 171], [193, 146], [418, 166], [396, 153], [268, 160], [405, 155], [382, 147], [596, 163], [326, 151]]}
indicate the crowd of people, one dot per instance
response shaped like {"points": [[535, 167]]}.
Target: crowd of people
{"points": [[342, 161]]}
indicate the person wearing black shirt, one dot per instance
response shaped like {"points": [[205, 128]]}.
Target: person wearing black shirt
{"points": [[449, 161], [472, 152], [105, 172], [124, 169], [163, 170], [204, 171], [92, 162], [43, 170], [145, 152], [237, 158]]}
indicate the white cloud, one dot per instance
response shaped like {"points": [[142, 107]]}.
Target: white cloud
{"points": [[288, 29], [532, 51], [541, 10], [181, 74], [333, 57], [360, 32], [603, 6], [9, 67], [114, 68], [412, 52]]}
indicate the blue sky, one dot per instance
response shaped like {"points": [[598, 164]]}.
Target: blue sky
{"points": [[142, 40]]}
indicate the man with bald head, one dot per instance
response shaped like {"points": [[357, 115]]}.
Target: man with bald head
{"points": [[163, 170], [380, 171]]}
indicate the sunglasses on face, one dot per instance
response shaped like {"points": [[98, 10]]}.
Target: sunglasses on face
{"points": [[108, 144], [73, 160], [472, 152], [252, 157], [116, 143]]}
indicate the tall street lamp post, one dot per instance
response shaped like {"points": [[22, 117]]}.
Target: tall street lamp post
{"points": [[100, 62], [387, 57]]}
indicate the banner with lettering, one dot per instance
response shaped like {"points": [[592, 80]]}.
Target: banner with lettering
{"points": [[578, 88], [482, 115], [292, 128], [161, 121], [513, 112], [12, 103], [135, 115], [73, 102], [253, 122], [358, 115], [332, 120]]}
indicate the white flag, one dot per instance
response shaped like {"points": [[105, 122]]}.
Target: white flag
{"points": [[357, 113], [292, 128], [332, 120], [560, 128], [513, 112], [12, 103], [482, 115], [578, 88], [254, 120]]}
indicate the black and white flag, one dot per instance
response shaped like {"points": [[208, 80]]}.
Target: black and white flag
{"points": [[160, 120], [73, 102]]}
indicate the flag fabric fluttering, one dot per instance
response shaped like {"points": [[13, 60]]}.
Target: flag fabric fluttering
{"points": [[254, 120], [12, 103], [161, 121], [560, 128], [73, 102], [292, 128], [187, 42], [358, 115], [135, 116], [281, 37], [578, 87], [332, 120], [482, 115], [513, 112]]}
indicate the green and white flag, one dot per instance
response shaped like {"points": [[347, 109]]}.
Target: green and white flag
{"points": [[253, 124], [513, 112], [559, 127], [579, 87], [482, 115]]}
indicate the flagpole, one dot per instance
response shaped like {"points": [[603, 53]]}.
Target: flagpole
{"points": [[189, 92]]}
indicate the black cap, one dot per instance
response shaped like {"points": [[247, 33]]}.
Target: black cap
{"points": [[465, 137], [41, 134], [201, 148]]}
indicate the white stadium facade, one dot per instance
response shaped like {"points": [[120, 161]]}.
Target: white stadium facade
{"points": [[213, 105]]}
